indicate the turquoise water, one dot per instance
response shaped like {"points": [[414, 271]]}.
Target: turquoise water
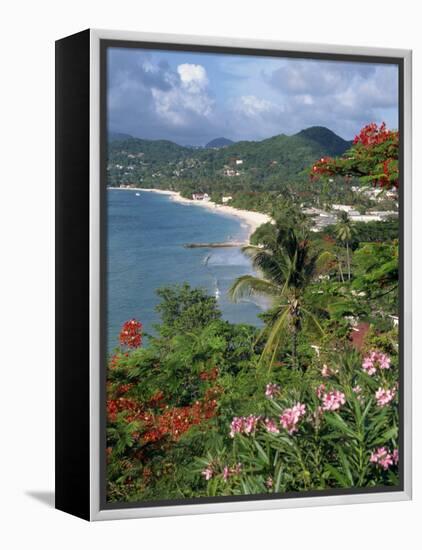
{"points": [[145, 238]]}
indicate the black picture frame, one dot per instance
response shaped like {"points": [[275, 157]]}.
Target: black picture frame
{"points": [[81, 139]]}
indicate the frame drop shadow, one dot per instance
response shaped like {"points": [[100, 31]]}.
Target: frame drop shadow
{"points": [[45, 497]]}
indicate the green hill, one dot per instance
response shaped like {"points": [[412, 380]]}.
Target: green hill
{"points": [[246, 165], [334, 144], [118, 136], [219, 142]]}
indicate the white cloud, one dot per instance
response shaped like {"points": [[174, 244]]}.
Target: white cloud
{"points": [[193, 77], [253, 106], [186, 97], [308, 99]]}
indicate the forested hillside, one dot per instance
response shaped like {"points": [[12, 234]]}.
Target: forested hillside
{"points": [[248, 165]]}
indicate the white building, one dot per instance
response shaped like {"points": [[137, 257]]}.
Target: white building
{"points": [[230, 172], [200, 197]]}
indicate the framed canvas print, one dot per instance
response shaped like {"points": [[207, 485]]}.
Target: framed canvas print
{"points": [[233, 275]]}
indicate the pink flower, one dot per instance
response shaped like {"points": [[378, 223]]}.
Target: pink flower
{"points": [[271, 390], [228, 472], [375, 360], [271, 426], [369, 366], [332, 400], [382, 457], [290, 417], [395, 456], [384, 361], [243, 424], [208, 473], [384, 396], [269, 483], [249, 424], [320, 390], [236, 426], [325, 371]]}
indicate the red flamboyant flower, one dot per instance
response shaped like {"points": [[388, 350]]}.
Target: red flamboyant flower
{"points": [[372, 134], [131, 334], [209, 375], [373, 157]]}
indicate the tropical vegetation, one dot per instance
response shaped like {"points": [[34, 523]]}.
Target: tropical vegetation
{"points": [[310, 402]]}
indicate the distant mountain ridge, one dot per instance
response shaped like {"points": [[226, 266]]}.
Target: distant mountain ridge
{"points": [[118, 136], [219, 142], [251, 165]]}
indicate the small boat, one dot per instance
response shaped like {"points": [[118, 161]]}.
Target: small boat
{"points": [[137, 194], [217, 291]]}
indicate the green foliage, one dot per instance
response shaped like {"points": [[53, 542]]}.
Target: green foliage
{"points": [[171, 405], [288, 266], [364, 232], [184, 309], [330, 448]]}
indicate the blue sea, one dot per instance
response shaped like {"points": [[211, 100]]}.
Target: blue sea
{"points": [[145, 238]]}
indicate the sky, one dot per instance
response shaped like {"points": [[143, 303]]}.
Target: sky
{"points": [[192, 98]]}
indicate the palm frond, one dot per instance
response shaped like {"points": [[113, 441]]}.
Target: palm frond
{"points": [[323, 260], [250, 250], [274, 337], [314, 320], [248, 285]]}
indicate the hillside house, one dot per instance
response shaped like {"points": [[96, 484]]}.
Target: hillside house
{"points": [[200, 197], [229, 172]]}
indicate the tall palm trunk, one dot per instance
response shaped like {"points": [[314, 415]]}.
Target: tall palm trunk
{"points": [[341, 270], [348, 259]]}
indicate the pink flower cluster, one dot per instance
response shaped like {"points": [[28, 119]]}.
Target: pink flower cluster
{"points": [[271, 426], [243, 424], [384, 458], [235, 471], [290, 417], [209, 471], [375, 360], [384, 396], [332, 400], [271, 390]]}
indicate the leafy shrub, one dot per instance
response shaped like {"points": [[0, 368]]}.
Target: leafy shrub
{"points": [[316, 432]]}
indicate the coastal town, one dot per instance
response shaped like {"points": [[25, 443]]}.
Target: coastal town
{"points": [[321, 217]]}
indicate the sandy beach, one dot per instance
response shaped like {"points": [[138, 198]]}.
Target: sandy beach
{"points": [[252, 219]]}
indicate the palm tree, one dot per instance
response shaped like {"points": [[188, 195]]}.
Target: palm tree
{"points": [[344, 232], [287, 266]]}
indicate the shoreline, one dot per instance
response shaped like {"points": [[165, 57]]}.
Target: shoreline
{"points": [[252, 219]]}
